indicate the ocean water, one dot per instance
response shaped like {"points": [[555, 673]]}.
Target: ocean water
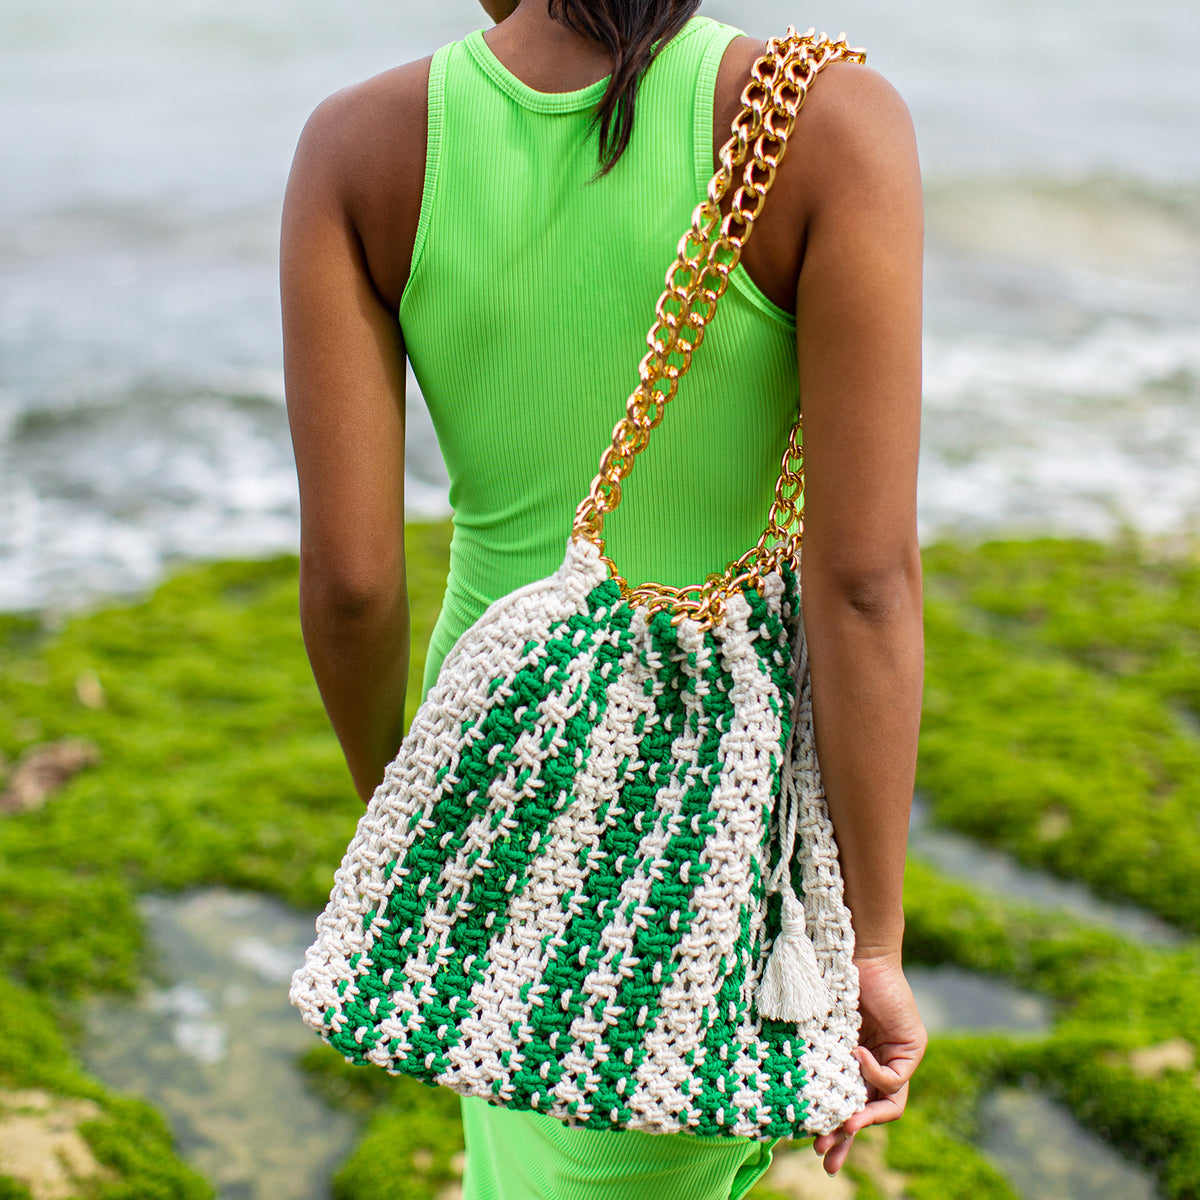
{"points": [[145, 149]]}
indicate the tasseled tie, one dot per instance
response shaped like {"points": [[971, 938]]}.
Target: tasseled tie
{"points": [[792, 987]]}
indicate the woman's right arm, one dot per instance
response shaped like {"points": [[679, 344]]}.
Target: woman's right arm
{"points": [[344, 376], [858, 342]]}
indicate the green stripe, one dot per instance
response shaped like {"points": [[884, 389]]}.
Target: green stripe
{"points": [[722, 1028], [656, 944], [785, 1079], [574, 937], [731, 1011], [463, 791], [566, 973], [492, 889]]}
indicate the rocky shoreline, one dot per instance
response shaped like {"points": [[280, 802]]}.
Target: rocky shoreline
{"points": [[178, 743]]}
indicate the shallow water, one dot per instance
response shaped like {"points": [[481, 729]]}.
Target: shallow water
{"points": [[146, 149], [952, 1000], [1047, 1155], [213, 1044], [963, 858]]}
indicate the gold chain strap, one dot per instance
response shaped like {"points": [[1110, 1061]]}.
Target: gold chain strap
{"points": [[695, 282]]}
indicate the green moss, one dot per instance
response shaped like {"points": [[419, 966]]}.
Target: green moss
{"points": [[1111, 995], [33, 1053], [19, 634], [1033, 741], [1057, 674], [133, 1140], [218, 767], [864, 1186], [1052, 728], [406, 1154], [761, 1191], [1123, 610], [939, 1166], [218, 762], [414, 1139], [41, 903], [343, 1085]]}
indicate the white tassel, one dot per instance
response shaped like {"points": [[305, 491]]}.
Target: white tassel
{"points": [[792, 987]]}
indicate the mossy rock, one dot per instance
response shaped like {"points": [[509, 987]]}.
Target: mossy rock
{"points": [[132, 1146], [1058, 679], [217, 767], [1057, 675]]}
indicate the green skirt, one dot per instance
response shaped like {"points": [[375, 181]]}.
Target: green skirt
{"points": [[528, 1156]]}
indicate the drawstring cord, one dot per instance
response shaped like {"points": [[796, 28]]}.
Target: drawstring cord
{"points": [[792, 986]]}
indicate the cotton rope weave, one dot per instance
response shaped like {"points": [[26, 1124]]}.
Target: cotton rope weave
{"points": [[599, 880]]}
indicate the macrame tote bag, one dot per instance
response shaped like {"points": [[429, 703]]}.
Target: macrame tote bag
{"points": [[599, 881]]}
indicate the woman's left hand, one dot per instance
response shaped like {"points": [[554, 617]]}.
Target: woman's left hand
{"points": [[891, 1044]]}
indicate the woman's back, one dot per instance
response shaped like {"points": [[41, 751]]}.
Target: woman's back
{"points": [[525, 316]]}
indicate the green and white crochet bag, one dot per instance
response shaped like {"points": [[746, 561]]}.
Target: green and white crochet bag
{"points": [[599, 881]]}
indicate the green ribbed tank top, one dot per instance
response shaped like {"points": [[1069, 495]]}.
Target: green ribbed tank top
{"points": [[533, 284]]}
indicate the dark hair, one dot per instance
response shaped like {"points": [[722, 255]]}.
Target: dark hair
{"points": [[632, 30]]}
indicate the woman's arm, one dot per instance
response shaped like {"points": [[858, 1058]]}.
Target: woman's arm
{"points": [[858, 341], [344, 376]]}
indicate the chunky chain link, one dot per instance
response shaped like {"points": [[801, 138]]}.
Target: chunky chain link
{"points": [[696, 280]]}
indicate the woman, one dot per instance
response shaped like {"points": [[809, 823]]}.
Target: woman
{"points": [[515, 200]]}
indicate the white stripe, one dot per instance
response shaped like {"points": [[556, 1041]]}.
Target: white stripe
{"points": [[435, 936], [580, 1080], [739, 801]]}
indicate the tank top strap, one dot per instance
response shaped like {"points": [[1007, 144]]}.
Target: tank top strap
{"points": [[433, 152], [715, 45]]}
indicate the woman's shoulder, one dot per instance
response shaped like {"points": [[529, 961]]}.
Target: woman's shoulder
{"points": [[371, 121], [362, 155], [853, 137]]}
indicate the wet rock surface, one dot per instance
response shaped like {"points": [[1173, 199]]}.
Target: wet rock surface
{"points": [[214, 1046], [952, 999], [1047, 1155], [960, 857]]}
